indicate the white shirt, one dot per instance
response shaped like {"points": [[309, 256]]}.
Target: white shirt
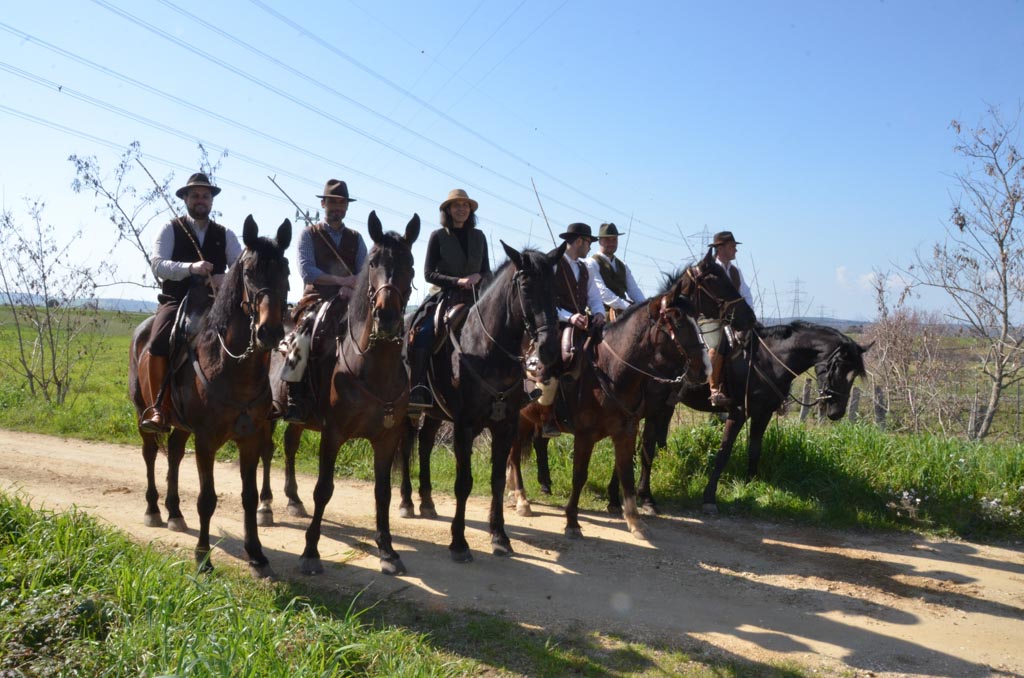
{"points": [[744, 289], [164, 268], [633, 293], [594, 302]]}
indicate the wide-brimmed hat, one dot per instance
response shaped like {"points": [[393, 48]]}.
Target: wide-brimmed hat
{"points": [[335, 188], [609, 231], [197, 180], [459, 194], [724, 238], [577, 230]]}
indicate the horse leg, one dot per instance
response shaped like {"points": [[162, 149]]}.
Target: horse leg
{"points": [[150, 448], [207, 502], [405, 505], [175, 453], [654, 436], [625, 444], [330, 443], [265, 511], [514, 469], [463, 443], [732, 428], [426, 438], [581, 450], [292, 438], [758, 424], [251, 450], [540, 449], [501, 441], [384, 449]]}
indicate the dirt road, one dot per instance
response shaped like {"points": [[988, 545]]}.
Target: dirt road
{"points": [[828, 600]]}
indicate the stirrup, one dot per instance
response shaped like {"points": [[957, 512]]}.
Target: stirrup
{"points": [[719, 399], [421, 403], [153, 421]]}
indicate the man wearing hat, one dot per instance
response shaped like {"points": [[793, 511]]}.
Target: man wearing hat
{"points": [[724, 245], [330, 257], [614, 280], [187, 250], [577, 300]]}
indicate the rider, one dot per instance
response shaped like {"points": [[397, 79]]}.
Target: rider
{"points": [[724, 245], [576, 293], [614, 280], [456, 263], [330, 258], [187, 250]]}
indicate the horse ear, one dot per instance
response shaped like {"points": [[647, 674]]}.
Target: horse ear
{"points": [[284, 235], [864, 348], [412, 229], [655, 305], [558, 252], [513, 255], [373, 226], [709, 258], [250, 232]]}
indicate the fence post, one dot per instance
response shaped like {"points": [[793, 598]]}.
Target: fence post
{"points": [[854, 404], [880, 408], [972, 431], [804, 407]]}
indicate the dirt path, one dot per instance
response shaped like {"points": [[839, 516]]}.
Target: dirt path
{"points": [[828, 600]]}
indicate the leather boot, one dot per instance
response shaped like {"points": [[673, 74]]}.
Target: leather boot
{"points": [[549, 427], [718, 397], [154, 419], [420, 397], [297, 409]]}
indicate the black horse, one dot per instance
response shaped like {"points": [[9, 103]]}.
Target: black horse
{"points": [[477, 380], [758, 380]]}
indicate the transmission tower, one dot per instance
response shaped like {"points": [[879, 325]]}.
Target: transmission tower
{"points": [[797, 297]]}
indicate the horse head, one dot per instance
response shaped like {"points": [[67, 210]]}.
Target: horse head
{"points": [[836, 374], [264, 283], [534, 282], [388, 278], [675, 316], [709, 289]]}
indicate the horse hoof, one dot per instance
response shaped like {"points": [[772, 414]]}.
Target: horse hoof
{"points": [[392, 566], [177, 525], [297, 510], [710, 509], [573, 533], [501, 546], [462, 555], [614, 510], [265, 518], [154, 520], [524, 510], [405, 511], [263, 571], [648, 509], [641, 533], [311, 566], [545, 489], [428, 511]]}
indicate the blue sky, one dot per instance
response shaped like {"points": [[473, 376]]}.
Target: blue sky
{"points": [[818, 132]]}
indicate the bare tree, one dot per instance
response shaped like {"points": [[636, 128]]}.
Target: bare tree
{"points": [[48, 295], [980, 264]]}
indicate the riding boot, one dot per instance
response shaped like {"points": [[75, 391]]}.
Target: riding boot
{"points": [[718, 398], [420, 397], [154, 419], [549, 426], [297, 408]]}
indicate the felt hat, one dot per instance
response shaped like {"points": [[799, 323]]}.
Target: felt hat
{"points": [[577, 230], [724, 238], [336, 189], [459, 194], [198, 179], [609, 231]]}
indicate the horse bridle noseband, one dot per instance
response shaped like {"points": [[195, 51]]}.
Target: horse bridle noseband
{"points": [[251, 307]]}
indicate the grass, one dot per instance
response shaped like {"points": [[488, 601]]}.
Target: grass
{"points": [[80, 599]]}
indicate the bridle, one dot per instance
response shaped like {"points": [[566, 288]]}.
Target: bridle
{"points": [[250, 306], [371, 296], [825, 393], [726, 312], [528, 320]]}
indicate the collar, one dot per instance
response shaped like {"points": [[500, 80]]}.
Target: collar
{"points": [[194, 225]]}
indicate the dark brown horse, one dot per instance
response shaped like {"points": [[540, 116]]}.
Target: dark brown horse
{"points": [[658, 339], [487, 392], [758, 381], [222, 391], [361, 385]]}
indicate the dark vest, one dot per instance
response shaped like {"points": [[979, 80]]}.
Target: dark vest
{"points": [[571, 294], [214, 251], [326, 254], [615, 280], [455, 261]]}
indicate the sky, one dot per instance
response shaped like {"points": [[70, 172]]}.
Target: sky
{"points": [[817, 132]]}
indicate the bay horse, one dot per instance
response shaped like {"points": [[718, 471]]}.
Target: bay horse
{"points": [[487, 391], [758, 380], [360, 385], [222, 391], [658, 339]]}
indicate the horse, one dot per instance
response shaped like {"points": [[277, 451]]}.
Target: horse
{"points": [[758, 379], [655, 340], [360, 385], [487, 391], [707, 287], [222, 391]]}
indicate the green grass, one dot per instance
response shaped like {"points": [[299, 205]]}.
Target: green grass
{"points": [[80, 599]]}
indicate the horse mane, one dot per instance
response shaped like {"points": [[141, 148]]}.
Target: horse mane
{"points": [[359, 304], [498, 274], [229, 298], [854, 351], [668, 280]]}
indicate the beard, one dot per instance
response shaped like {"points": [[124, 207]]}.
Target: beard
{"points": [[198, 212]]}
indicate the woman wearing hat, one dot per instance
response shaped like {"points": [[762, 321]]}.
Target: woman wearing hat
{"points": [[456, 263]]}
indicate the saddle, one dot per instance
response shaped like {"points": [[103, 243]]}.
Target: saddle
{"points": [[573, 343], [447, 320], [186, 325]]}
